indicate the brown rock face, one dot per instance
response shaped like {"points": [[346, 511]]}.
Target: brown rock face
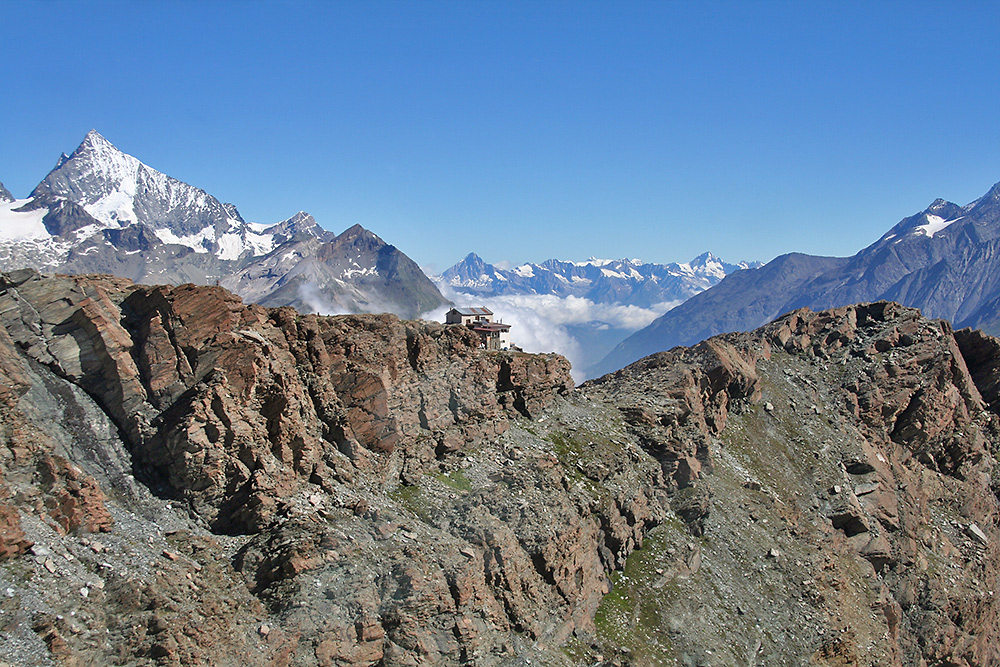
{"points": [[39, 482], [291, 428], [863, 436], [232, 408], [361, 490]]}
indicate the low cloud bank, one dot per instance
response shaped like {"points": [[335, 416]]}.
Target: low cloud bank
{"points": [[318, 303], [322, 304], [539, 322]]}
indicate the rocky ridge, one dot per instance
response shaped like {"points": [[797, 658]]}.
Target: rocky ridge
{"points": [[191, 480], [849, 516]]}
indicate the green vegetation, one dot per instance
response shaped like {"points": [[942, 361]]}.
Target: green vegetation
{"points": [[412, 499], [632, 616], [455, 479]]}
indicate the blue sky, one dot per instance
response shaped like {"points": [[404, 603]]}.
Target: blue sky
{"points": [[527, 130]]}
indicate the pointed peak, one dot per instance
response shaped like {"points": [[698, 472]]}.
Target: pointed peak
{"points": [[357, 230], [302, 217], [5, 195], [233, 212], [473, 260], [94, 140], [95, 147]]}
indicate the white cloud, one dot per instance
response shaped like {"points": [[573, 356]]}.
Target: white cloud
{"points": [[539, 321], [310, 294], [578, 310], [329, 304]]}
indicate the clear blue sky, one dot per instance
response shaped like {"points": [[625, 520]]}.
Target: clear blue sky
{"points": [[526, 130]]}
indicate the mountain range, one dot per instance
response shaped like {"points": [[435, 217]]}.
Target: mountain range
{"points": [[618, 281], [944, 260], [581, 309], [102, 211], [187, 479]]}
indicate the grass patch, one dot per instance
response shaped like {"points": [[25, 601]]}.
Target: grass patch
{"points": [[575, 459], [631, 617], [412, 499], [455, 479]]}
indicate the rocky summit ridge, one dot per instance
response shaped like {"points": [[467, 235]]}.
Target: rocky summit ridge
{"points": [[187, 479], [103, 211]]}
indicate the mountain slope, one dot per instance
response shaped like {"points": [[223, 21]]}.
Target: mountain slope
{"points": [[944, 260], [745, 296], [353, 272], [189, 480], [102, 211]]}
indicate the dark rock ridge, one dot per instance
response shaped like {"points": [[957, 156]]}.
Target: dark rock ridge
{"points": [[190, 480], [107, 212], [944, 260]]}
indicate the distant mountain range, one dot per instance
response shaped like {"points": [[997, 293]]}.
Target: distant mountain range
{"points": [[581, 309], [617, 281], [944, 260], [102, 211]]}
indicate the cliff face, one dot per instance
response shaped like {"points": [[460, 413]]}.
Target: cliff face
{"points": [[850, 514], [330, 449], [190, 480]]}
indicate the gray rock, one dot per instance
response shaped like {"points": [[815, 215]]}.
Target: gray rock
{"points": [[976, 533]]}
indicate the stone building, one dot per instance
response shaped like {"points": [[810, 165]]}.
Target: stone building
{"points": [[492, 335]]}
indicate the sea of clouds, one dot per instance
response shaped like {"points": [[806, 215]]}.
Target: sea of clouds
{"points": [[543, 322], [539, 322]]}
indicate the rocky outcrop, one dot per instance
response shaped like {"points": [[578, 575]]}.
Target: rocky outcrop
{"points": [[862, 437], [291, 428], [232, 407], [190, 480]]}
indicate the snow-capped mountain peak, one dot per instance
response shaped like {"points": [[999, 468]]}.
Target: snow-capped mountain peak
{"points": [[626, 281], [101, 210], [707, 264], [118, 190]]}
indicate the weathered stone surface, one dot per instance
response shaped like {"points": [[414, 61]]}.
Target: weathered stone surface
{"points": [[859, 439], [361, 490], [231, 407]]}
